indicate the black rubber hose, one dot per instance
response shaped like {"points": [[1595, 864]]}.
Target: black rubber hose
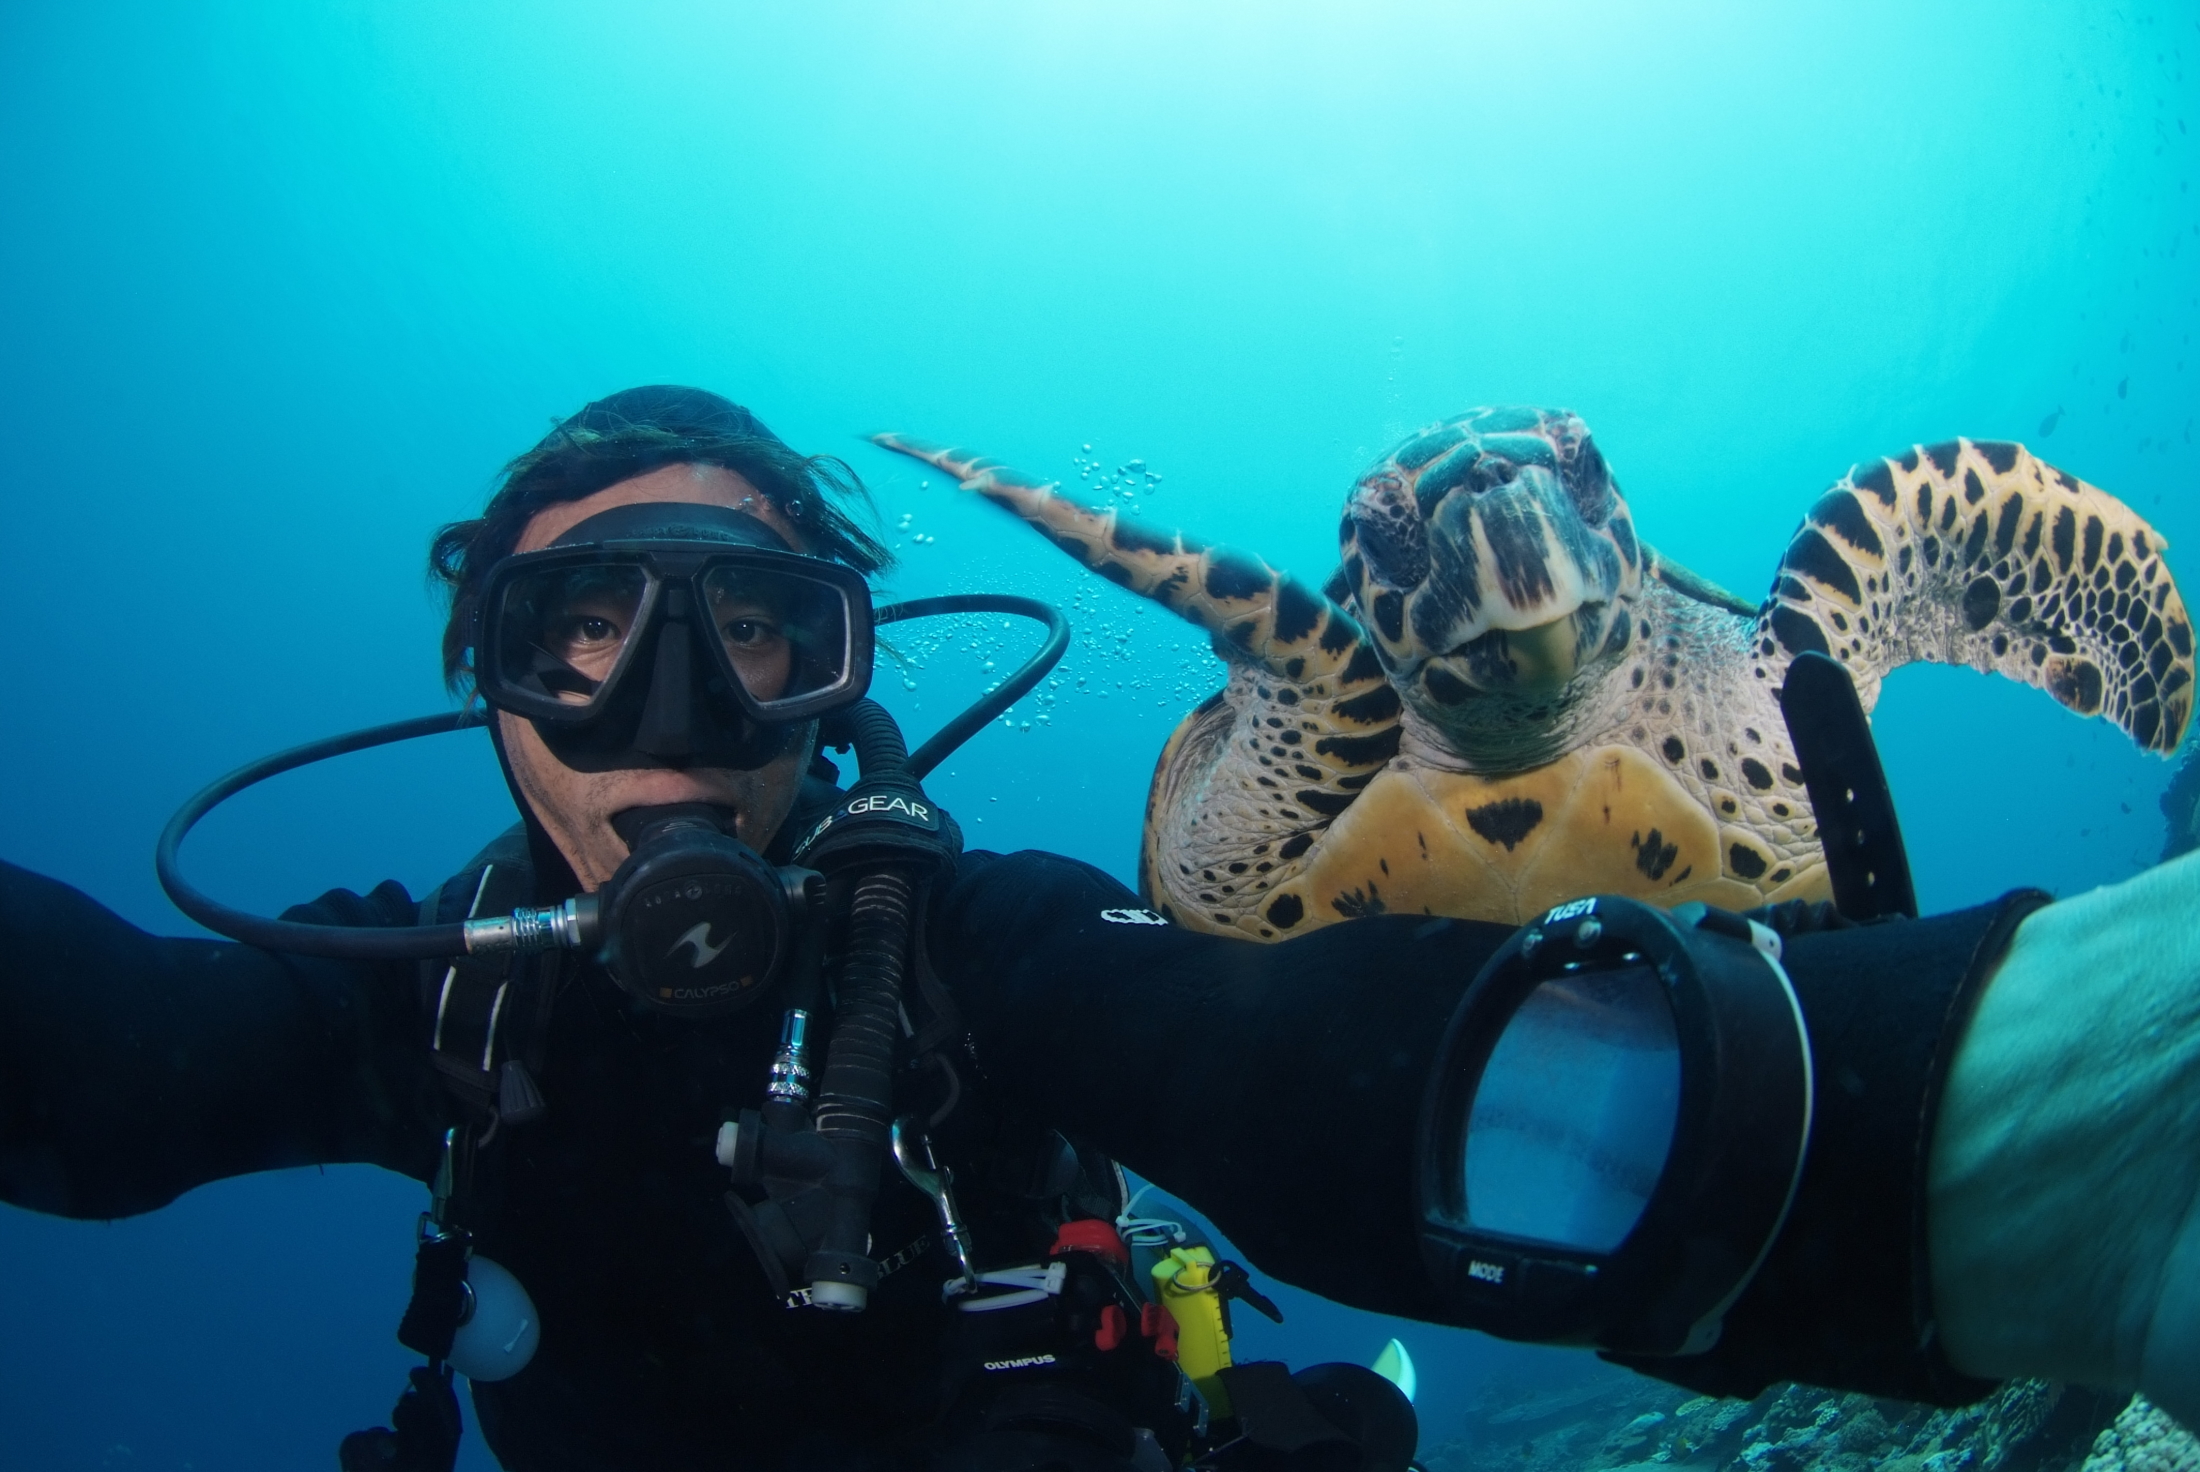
{"points": [[880, 746], [1014, 688], [854, 1099], [401, 943]]}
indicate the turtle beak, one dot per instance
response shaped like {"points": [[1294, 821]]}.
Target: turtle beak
{"points": [[1544, 657], [1533, 661]]}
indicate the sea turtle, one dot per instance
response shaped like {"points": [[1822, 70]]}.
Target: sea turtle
{"points": [[1504, 698]]}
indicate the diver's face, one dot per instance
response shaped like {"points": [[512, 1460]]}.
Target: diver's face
{"points": [[576, 808]]}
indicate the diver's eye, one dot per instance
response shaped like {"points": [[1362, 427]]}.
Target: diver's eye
{"points": [[747, 633], [587, 631]]}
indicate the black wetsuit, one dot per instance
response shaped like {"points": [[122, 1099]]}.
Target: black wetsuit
{"points": [[1273, 1086]]}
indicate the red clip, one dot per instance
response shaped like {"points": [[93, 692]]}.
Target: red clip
{"points": [[1090, 1234], [1159, 1325], [1113, 1327]]}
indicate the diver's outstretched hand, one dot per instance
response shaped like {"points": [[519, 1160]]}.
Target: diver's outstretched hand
{"points": [[2064, 1226], [425, 1438]]}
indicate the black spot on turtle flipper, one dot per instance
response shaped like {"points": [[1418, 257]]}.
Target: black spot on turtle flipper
{"points": [[2076, 683], [1365, 664], [1296, 844], [1975, 543], [1328, 804], [2000, 454], [1129, 536], [1370, 708], [1285, 911], [2145, 723], [1339, 587], [1232, 576], [2064, 541], [1877, 478], [1339, 634], [1798, 633], [1944, 455], [1753, 772], [1811, 554], [1981, 601], [1361, 751], [1506, 821], [1653, 855], [1297, 612], [1745, 861], [1840, 512]]}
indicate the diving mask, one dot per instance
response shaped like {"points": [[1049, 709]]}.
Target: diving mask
{"points": [[673, 630]]}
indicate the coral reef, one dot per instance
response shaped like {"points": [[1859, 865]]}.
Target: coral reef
{"points": [[2144, 1439], [1646, 1426]]}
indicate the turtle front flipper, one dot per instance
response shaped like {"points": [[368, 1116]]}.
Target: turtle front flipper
{"points": [[1253, 777], [1973, 552]]}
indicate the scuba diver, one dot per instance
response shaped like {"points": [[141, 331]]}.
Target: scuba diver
{"points": [[765, 1127]]}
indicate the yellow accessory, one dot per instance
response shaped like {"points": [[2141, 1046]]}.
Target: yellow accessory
{"points": [[1186, 1283]]}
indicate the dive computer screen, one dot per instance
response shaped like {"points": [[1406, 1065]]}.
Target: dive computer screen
{"points": [[1574, 1114]]}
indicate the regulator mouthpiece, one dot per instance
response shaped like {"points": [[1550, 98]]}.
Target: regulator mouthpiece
{"points": [[695, 922]]}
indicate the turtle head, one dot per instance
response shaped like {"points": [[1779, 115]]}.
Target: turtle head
{"points": [[1493, 563]]}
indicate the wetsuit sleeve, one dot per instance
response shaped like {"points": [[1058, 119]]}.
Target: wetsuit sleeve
{"points": [[1277, 1088], [135, 1067], [1274, 1087]]}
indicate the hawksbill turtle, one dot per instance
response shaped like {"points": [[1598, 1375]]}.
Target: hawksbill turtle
{"points": [[1504, 698]]}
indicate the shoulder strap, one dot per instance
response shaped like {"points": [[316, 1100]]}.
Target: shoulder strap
{"points": [[483, 1014]]}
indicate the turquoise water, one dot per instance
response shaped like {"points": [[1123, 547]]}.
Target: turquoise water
{"points": [[281, 286]]}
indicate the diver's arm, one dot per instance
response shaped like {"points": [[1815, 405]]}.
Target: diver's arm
{"points": [[1274, 1087], [134, 1067], [2066, 1156], [1277, 1088]]}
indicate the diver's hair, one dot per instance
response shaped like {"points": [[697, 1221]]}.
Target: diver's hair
{"points": [[576, 462]]}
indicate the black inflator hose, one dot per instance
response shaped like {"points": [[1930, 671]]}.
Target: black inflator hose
{"points": [[880, 746], [1003, 695], [855, 1097], [349, 942]]}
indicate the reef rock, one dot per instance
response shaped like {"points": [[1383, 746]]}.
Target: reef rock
{"points": [[2144, 1439], [1646, 1426]]}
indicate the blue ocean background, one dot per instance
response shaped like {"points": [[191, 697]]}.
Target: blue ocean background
{"points": [[281, 287]]}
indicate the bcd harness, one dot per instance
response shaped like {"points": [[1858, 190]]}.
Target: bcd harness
{"points": [[1121, 1315]]}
